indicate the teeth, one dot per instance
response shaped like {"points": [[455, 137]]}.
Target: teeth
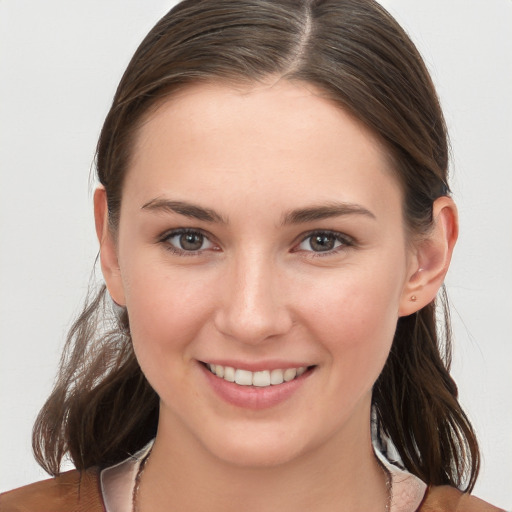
{"points": [[260, 379], [229, 374], [289, 374], [243, 377], [276, 377]]}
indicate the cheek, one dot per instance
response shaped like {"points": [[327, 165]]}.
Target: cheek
{"points": [[358, 333], [167, 310], [356, 319]]}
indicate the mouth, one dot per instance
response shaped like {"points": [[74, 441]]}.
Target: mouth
{"points": [[259, 379]]}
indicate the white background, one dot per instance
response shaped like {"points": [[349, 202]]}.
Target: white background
{"points": [[60, 61]]}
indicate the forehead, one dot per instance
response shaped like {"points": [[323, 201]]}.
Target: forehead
{"points": [[235, 139]]}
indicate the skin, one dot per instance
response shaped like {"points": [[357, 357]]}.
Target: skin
{"points": [[256, 292]]}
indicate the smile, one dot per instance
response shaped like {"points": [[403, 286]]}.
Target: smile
{"points": [[262, 379]]}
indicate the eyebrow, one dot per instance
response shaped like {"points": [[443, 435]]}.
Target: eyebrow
{"points": [[297, 216], [184, 208], [325, 211]]}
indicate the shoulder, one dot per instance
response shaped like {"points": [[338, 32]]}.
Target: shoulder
{"points": [[448, 499], [73, 491]]}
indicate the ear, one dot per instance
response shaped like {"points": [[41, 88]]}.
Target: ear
{"points": [[108, 248], [431, 258]]}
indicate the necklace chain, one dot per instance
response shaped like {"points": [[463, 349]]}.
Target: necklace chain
{"points": [[138, 476], [389, 487], [142, 465]]}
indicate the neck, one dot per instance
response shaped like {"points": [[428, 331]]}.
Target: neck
{"points": [[342, 474]]}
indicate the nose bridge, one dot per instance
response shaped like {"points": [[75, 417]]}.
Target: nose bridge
{"points": [[253, 308]]}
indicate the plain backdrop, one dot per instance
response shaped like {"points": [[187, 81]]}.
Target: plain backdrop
{"points": [[60, 61]]}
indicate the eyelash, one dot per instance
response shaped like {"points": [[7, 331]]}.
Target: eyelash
{"points": [[344, 240], [165, 239]]}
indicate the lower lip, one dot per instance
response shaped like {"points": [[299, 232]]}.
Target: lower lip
{"points": [[253, 397]]}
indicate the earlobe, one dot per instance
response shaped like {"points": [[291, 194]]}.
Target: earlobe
{"points": [[432, 258], [108, 250]]}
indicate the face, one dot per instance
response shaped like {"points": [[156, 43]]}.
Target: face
{"points": [[261, 238]]}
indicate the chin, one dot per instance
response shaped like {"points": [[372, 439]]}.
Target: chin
{"points": [[256, 456], [258, 447]]}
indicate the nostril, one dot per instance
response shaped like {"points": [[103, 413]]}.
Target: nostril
{"points": [[253, 322]]}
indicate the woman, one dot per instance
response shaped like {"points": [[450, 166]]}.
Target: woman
{"points": [[275, 223]]}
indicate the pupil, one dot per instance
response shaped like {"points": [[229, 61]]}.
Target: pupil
{"points": [[322, 242], [191, 241]]}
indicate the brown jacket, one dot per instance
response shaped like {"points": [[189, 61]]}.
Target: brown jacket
{"points": [[76, 491]]}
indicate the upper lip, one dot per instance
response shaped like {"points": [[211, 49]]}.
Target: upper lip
{"points": [[256, 366]]}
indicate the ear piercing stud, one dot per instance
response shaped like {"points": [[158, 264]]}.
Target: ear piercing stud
{"points": [[413, 298]]}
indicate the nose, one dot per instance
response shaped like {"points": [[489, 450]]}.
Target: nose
{"points": [[253, 305]]}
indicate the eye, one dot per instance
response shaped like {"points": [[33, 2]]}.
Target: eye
{"points": [[187, 241], [324, 241]]}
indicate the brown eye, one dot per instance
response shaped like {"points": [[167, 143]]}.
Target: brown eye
{"points": [[325, 241], [183, 241], [322, 242], [191, 241]]}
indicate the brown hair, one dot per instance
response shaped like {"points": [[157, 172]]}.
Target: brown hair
{"points": [[102, 407]]}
